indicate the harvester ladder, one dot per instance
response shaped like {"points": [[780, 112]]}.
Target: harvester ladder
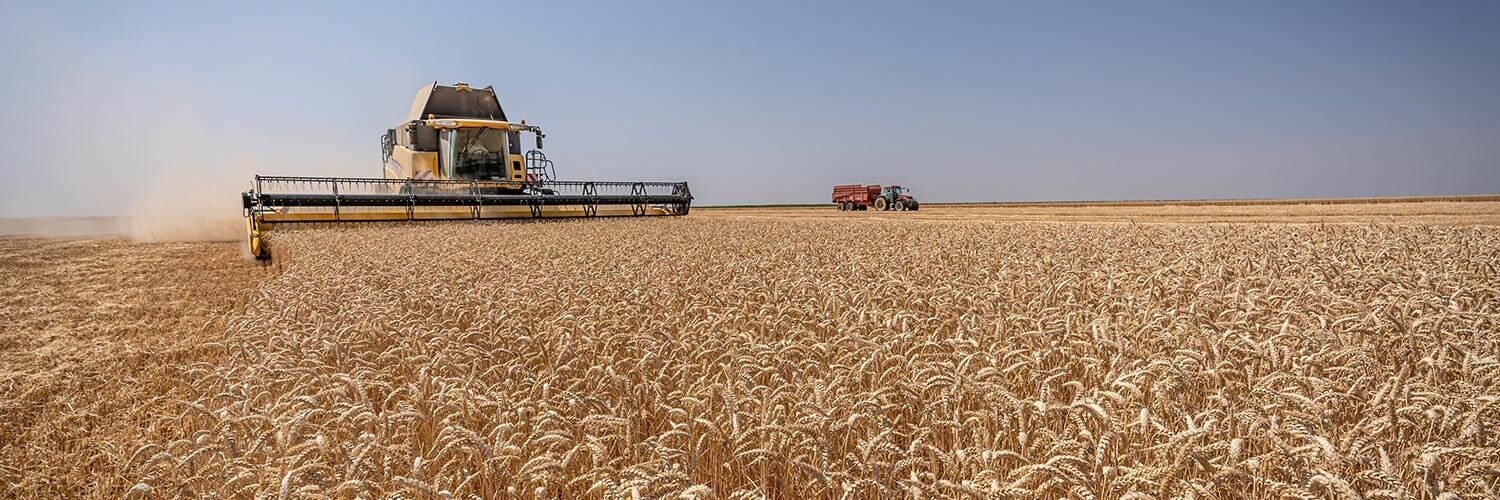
{"points": [[539, 167]]}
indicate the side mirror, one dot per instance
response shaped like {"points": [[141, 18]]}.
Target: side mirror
{"points": [[539, 141]]}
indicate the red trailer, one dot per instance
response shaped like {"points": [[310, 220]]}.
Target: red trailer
{"points": [[862, 197], [855, 196]]}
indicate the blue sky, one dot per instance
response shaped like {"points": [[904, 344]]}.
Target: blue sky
{"points": [[107, 104]]}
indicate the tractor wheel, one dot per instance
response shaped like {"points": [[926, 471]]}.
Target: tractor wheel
{"points": [[841, 207], [913, 206], [900, 206], [881, 204]]}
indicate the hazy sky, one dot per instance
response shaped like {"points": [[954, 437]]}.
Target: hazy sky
{"points": [[111, 104]]}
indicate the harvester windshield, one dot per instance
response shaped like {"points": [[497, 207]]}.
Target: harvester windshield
{"points": [[477, 153]]}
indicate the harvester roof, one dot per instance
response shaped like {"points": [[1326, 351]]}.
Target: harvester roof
{"points": [[456, 101]]}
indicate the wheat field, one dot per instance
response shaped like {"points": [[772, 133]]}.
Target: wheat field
{"points": [[720, 356]]}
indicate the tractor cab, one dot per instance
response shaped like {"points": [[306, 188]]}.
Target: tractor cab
{"points": [[895, 198]]}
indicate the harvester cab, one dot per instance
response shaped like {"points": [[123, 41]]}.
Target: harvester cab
{"points": [[456, 156], [459, 133]]}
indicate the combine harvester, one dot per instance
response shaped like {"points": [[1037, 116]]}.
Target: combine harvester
{"points": [[456, 157]]}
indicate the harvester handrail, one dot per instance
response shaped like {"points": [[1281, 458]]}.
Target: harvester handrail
{"points": [[475, 184]]}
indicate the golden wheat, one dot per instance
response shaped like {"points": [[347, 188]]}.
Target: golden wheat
{"points": [[724, 358]]}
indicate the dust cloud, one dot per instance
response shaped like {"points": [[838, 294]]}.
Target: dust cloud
{"points": [[153, 161], [188, 208], [196, 197], [192, 192], [162, 156]]}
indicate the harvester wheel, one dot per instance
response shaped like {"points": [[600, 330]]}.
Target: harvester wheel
{"points": [[881, 204]]}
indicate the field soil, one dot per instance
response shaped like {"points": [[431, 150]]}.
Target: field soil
{"points": [[959, 351]]}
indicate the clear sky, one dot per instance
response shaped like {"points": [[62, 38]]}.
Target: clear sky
{"points": [[109, 104]]}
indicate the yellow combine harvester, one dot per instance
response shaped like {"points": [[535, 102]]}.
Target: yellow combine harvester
{"points": [[456, 157]]}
